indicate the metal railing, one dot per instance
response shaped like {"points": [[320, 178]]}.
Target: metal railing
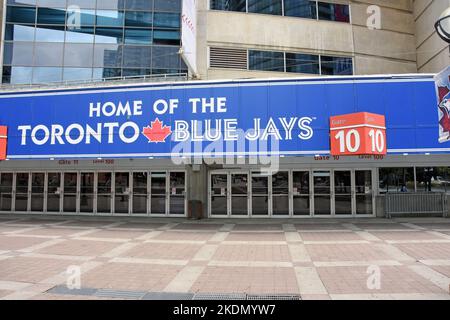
{"points": [[416, 204], [170, 77]]}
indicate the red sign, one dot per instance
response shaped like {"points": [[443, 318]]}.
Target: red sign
{"points": [[3, 142], [358, 134]]}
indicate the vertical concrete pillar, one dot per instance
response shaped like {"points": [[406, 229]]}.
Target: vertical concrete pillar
{"points": [[198, 189]]}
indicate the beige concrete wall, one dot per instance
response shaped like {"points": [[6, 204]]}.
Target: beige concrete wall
{"points": [[389, 50], [432, 52]]}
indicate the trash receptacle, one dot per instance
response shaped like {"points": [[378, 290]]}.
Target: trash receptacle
{"points": [[195, 210]]}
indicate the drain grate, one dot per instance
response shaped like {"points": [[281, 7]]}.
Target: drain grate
{"points": [[63, 290], [220, 296], [120, 294], [168, 296], [273, 297]]}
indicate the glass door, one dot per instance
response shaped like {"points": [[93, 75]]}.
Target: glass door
{"points": [[22, 195], [104, 192], [260, 194], [322, 193], [54, 192], [87, 192], [177, 195], [343, 195], [37, 192], [219, 195], [122, 193], [301, 192], [280, 194], [6, 191], [140, 193], [158, 193], [70, 192], [364, 192], [239, 194]]}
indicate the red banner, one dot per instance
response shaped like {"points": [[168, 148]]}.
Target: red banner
{"points": [[3, 142]]}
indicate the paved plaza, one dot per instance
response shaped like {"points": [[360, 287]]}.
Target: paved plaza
{"points": [[310, 259]]}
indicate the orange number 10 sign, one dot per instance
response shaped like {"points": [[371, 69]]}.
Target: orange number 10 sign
{"points": [[3, 141], [358, 134]]}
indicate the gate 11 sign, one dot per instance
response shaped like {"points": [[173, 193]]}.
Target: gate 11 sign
{"points": [[358, 134]]}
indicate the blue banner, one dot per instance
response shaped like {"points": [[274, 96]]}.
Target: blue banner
{"points": [[204, 119]]}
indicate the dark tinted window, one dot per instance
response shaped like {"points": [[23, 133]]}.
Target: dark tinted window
{"points": [[300, 8], [266, 60], [337, 65], [21, 15], [334, 12], [265, 6], [229, 5], [302, 63]]}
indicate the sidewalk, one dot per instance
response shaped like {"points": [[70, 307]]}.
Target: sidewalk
{"points": [[308, 259]]}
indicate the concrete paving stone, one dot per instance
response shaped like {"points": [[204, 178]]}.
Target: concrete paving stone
{"points": [[31, 270], [51, 231], [198, 226], [345, 252], [319, 226], [426, 251], [117, 234], [330, 236], [405, 235], [252, 253], [247, 280], [139, 225], [260, 236], [85, 224], [125, 276], [393, 280], [18, 243], [381, 226], [258, 227], [80, 248], [180, 235], [178, 251]]}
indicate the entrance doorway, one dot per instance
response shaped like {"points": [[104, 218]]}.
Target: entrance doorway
{"points": [[292, 193]]}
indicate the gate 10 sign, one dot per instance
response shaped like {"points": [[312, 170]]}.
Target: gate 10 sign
{"points": [[3, 141], [358, 134]]}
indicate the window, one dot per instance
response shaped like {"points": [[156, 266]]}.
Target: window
{"points": [[433, 179], [17, 32], [139, 5], [265, 6], [21, 15], [397, 180], [334, 12], [138, 36], [302, 63], [266, 60], [51, 16], [138, 19], [336, 66], [300, 8], [167, 20], [229, 5]]}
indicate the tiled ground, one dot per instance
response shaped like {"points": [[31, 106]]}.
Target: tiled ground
{"points": [[333, 259]]}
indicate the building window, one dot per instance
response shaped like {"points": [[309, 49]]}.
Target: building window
{"points": [[43, 42], [309, 9], [300, 8], [435, 179], [229, 5], [336, 66], [266, 60], [334, 12], [397, 180], [265, 6], [302, 63]]}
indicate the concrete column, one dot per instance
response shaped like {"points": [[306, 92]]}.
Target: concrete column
{"points": [[198, 186]]}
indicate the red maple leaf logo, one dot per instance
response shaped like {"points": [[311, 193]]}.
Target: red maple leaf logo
{"points": [[157, 132], [445, 121]]}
